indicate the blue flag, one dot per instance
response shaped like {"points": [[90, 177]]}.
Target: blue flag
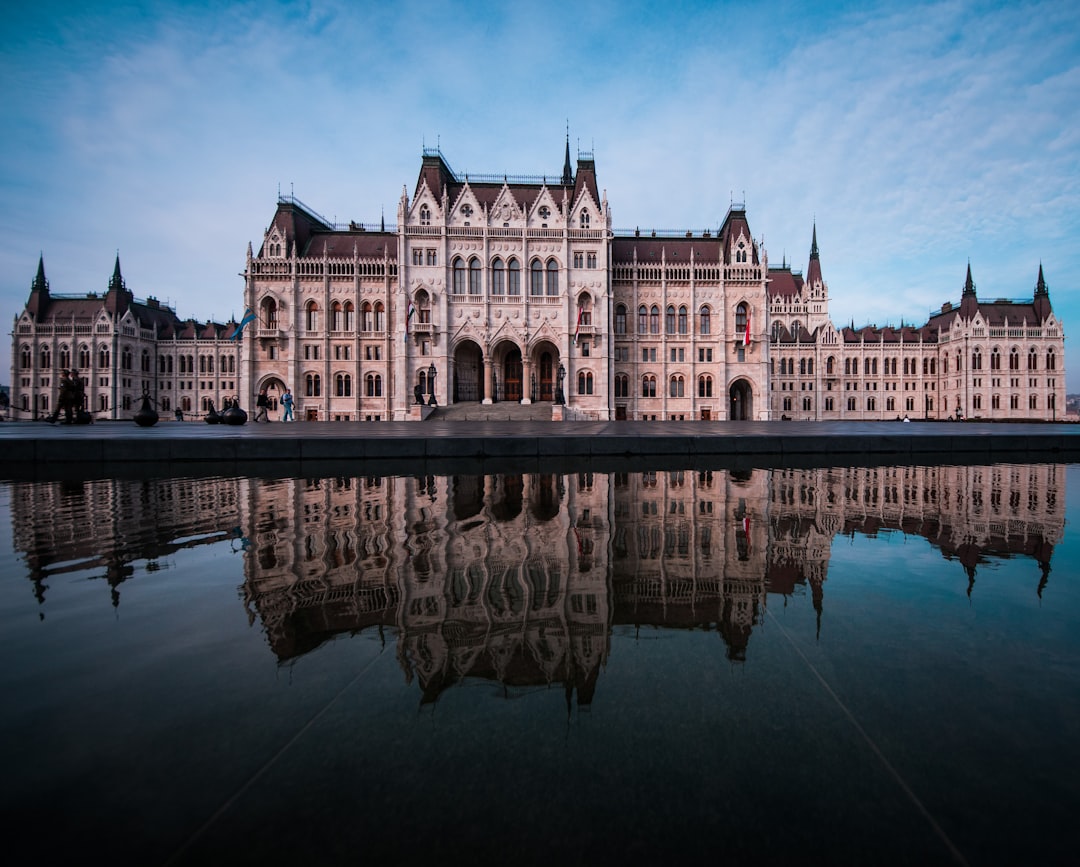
{"points": [[248, 317]]}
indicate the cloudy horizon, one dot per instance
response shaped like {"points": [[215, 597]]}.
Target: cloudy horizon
{"points": [[917, 137]]}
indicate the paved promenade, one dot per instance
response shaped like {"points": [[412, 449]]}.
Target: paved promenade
{"points": [[39, 450]]}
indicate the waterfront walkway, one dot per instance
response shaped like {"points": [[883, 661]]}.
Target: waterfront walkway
{"points": [[37, 450]]}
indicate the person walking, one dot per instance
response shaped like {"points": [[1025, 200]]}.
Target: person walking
{"points": [[65, 402], [262, 403], [286, 403]]}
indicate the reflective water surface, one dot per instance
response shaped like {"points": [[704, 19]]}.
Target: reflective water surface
{"points": [[865, 665]]}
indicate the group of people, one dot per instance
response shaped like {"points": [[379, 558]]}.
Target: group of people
{"points": [[262, 406], [71, 398]]}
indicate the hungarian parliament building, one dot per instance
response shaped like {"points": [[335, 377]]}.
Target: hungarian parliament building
{"points": [[517, 289]]}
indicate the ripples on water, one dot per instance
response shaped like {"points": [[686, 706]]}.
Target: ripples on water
{"points": [[850, 647]]}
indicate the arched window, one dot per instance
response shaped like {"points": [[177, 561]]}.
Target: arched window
{"points": [[620, 319], [498, 277], [311, 316], [976, 359], [343, 385], [350, 316], [269, 312], [682, 319], [622, 385], [585, 219], [704, 386], [704, 317], [1033, 359], [830, 365], [202, 364], [1014, 359], [1050, 360], [740, 319], [65, 356], [373, 384], [25, 358], [367, 318], [584, 382], [312, 385], [654, 320], [643, 319], [513, 277], [536, 278], [335, 316], [584, 309], [474, 276], [104, 358], [676, 386], [380, 316], [552, 277], [995, 359], [669, 320], [425, 215], [46, 358], [648, 385], [458, 286]]}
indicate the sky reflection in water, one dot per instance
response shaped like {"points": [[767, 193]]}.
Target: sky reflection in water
{"points": [[823, 665]]}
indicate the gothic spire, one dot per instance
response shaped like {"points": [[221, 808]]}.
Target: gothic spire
{"points": [[969, 284], [40, 284], [116, 282], [1041, 287], [813, 273], [567, 172]]}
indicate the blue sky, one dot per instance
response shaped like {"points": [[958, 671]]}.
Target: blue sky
{"points": [[919, 136]]}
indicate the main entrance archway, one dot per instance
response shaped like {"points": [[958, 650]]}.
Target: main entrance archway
{"points": [[468, 384], [511, 375], [740, 401]]}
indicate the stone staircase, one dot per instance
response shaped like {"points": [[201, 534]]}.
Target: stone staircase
{"points": [[509, 411]]}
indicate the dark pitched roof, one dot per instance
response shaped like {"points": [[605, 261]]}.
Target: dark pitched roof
{"points": [[784, 282], [651, 249]]}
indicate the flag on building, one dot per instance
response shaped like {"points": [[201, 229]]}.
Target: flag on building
{"points": [[746, 334], [577, 328], [409, 316], [248, 317]]}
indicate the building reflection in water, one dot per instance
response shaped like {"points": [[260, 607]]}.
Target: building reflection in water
{"points": [[520, 579]]}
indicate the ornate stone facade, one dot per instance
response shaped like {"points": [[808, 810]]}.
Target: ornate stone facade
{"points": [[502, 288], [518, 289], [121, 348]]}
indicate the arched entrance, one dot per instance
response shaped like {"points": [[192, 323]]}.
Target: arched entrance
{"points": [[545, 361], [468, 384], [740, 401], [274, 389], [511, 375]]}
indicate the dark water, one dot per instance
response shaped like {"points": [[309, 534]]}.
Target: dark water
{"points": [[779, 666]]}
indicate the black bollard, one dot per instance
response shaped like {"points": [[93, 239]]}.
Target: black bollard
{"points": [[146, 416], [234, 415]]}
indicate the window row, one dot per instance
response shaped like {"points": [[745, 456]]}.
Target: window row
{"points": [[676, 386], [343, 387], [505, 277]]}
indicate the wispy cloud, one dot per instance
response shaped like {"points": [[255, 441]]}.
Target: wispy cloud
{"points": [[918, 136]]}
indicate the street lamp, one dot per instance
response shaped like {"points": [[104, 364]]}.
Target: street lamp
{"points": [[560, 398], [431, 374]]}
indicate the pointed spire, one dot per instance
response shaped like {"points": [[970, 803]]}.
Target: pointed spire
{"points": [[1041, 287], [969, 284], [813, 273], [382, 219], [567, 172], [116, 282], [40, 284]]}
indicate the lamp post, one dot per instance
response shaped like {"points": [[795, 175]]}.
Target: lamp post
{"points": [[560, 398], [431, 373]]}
